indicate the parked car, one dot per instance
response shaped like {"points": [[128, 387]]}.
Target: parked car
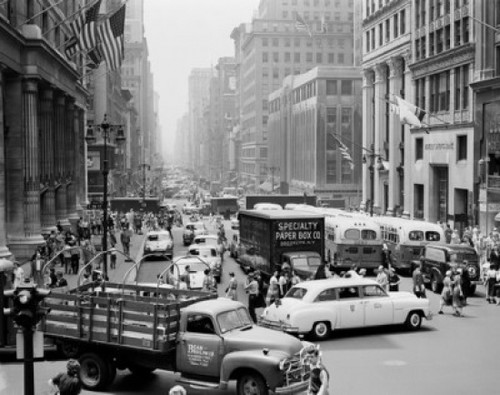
{"points": [[438, 260], [210, 254], [319, 307], [191, 230], [159, 243]]}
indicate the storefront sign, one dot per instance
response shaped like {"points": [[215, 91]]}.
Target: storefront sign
{"points": [[439, 147]]}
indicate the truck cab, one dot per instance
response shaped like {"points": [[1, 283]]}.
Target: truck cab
{"points": [[217, 341]]}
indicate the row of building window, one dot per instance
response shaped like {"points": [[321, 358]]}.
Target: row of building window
{"points": [[437, 9], [287, 42], [461, 148], [440, 90], [309, 57], [315, 3], [440, 40], [384, 31], [316, 26]]}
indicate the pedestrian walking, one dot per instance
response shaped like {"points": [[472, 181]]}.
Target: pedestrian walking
{"points": [[252, 289], [232, 287], [319, 378], [18, 274], [273, 291], [382, 278], [458, 294], [125, 240], [113, 255], [446, 293], [75, 260], [66, 253], [37, 264], [418, 280], [68, 383], [394, 280]]}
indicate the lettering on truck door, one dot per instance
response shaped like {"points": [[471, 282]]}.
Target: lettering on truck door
{"points": [[199, 346]]}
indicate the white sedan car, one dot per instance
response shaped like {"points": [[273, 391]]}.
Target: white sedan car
{"points": [[320, 306], [211, 255], [197, 267]]}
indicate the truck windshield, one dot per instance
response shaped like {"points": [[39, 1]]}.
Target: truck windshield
{"points": [[233, 319]]}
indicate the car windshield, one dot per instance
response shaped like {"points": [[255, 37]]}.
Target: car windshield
{"points": [[156, 237], [193, 267], [233, 319], [203, 251], [296, 293]]}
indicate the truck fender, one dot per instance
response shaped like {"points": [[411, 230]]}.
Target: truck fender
{"points": [[267, 365]]}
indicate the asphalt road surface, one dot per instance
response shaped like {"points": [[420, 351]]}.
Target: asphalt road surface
{"points": [[449, 355]]}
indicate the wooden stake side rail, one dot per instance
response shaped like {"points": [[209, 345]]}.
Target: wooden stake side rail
{"points": [[125, 319]]}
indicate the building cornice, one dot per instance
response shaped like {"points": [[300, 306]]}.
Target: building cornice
{"points": [[452, 58], [486, 84]]}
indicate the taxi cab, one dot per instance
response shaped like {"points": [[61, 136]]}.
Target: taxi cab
{"points": [[321, 306]]}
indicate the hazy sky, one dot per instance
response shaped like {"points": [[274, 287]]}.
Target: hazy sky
{"points": [[185, 34]]}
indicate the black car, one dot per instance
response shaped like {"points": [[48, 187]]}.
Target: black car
{"points": [[438, 260]]}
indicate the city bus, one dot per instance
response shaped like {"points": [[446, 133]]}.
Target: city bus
{"points": [[350, 238], [406, 239]]}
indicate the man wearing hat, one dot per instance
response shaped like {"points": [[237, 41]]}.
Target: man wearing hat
{"points": [[252, 289]]}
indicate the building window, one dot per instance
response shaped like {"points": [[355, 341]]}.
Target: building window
{"points": [[296, 42], [458, 34], [418, 193], [331, 58], [265, 42], [309, 57], [331, 87], [319, 57], [372, 38], [340, 57], [465, 30], [418, 19], [447, 39], [287, 57], [387, 30], [439, 41], [367, 41], [276, 56], [346, 87], [276, 42], [431, 44], [462, 147], [380, 34], [265, 57], [465, 87], [419, 148], [296, 57], [396, 26], [287, 42]]}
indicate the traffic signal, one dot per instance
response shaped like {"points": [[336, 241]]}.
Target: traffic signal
{"points": [[26, 310]]}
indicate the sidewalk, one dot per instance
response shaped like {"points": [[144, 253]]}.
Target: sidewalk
{"points": [[115, 275]]}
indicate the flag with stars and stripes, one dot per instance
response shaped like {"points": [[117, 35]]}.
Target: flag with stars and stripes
{"points": [[301, 25], [111, 34], [344, 151]]}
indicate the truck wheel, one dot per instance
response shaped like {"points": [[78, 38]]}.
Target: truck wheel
{"points": [[94, 372], [252, 384], [414, 320], [321, 330]]}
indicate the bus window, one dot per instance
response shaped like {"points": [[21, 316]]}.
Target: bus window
{"points": [[368, 234], [351, 250], [352, 234], [432, 236], [416, 235]]}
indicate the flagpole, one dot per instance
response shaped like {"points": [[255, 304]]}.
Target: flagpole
{"points": [[485, 24], [40, 13]]}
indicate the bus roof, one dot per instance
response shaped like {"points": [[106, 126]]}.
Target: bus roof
{"points": [[281, 214]]}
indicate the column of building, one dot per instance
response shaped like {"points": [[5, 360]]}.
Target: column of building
{"points": [[70, 160], [379, 107], [406, 160], [80, 159], [395, 76], [32, 226], [47, 203], [60, 157], [4, 250], [368, 87]]}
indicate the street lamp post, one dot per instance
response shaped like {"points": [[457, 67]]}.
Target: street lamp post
{"points": [[369, 159], [90, 138]]}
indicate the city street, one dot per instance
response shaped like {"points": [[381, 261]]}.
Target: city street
{"points": [[449, 355]]}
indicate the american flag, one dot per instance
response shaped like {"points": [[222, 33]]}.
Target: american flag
{"points": [[301, 25], [88, 33], [71, 47], [111, 34]]}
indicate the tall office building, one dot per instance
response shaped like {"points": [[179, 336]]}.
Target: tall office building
{"points": [[270, 48]]}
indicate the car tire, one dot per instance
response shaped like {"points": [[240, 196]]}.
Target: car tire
{"points": [[414, 320], [251, 384], [321, 330], [94, 371]]}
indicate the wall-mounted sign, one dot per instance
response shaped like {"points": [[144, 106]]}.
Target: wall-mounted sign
{"points": [[439, 147]]}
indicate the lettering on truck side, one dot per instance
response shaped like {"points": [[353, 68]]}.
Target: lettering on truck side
{"points": [[292, 225]]}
